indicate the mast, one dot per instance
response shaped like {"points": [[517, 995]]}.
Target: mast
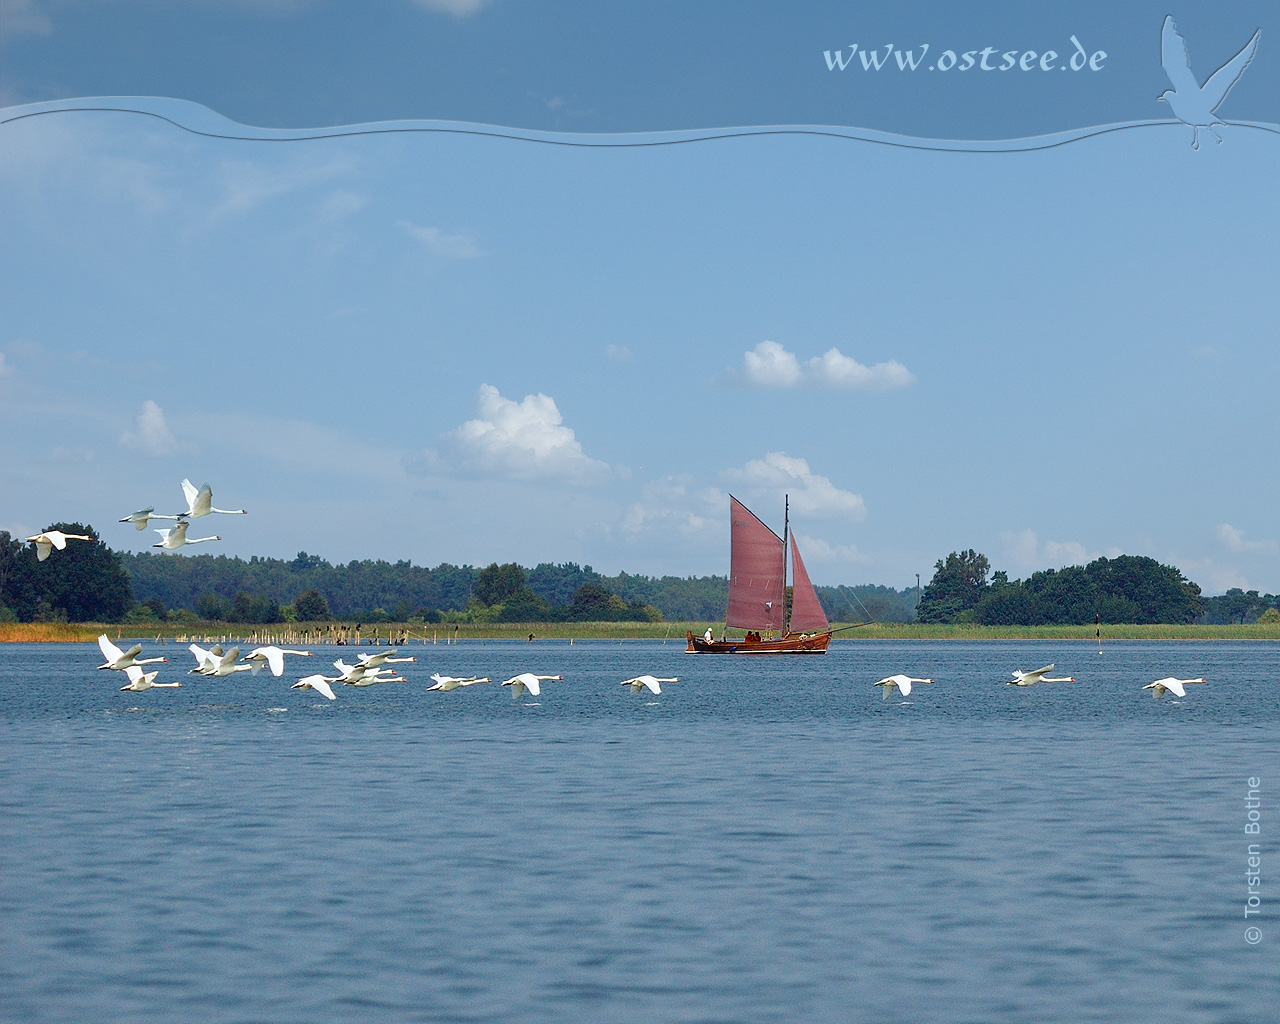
{"points": [[786, 517]]}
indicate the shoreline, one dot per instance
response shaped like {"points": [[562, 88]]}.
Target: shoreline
{"points": [[61, 632]]}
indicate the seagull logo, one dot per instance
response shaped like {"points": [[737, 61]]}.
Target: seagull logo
{"points": [[1192, 103]]}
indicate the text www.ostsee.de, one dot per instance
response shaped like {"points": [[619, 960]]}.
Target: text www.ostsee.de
{"points": [[989, 58]]}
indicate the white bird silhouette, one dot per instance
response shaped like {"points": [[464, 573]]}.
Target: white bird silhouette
{"points": [[318, 683], [380, 676], [176, 536], [902, 682], [118, 659], [1174, 686], [1192, 103], [1040, 675], [526, 681], [144, 516], [200, 503], [272, 657], [215, 663], [446, 683], [378, 660], [140, 680], [47, 540], [648, 682]]}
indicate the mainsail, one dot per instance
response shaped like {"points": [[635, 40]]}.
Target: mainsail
{"points": [[757, 571], [807, 615]]}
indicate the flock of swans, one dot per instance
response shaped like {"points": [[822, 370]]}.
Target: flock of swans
{"points": [[372, 669]]}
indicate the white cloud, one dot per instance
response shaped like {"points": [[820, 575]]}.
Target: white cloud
{"points": [[5, 368], [1233, 540], [340, 203], [448, 247], [71, 455], [524, 440], [151, 434], [817, 550], [672, 503], [21, 18], [247, 184], [618, 353], [1026, 553], [770, 365], [458, 8], [778, 473]]}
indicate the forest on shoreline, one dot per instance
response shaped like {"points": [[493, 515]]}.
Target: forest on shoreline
{"points": [[88, 582]]}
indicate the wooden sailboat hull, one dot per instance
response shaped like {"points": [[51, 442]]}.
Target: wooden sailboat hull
{"points": [[791, 643]]}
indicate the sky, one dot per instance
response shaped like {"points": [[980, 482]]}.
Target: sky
{"points": [[472, 348]]}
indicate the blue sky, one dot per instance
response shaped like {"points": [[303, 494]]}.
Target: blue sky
{"points": [[453, 348]]}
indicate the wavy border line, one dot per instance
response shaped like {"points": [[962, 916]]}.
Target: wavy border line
{"points": [[200, 120]]}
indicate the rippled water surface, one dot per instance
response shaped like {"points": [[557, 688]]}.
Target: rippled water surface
{"points": [[767, 840]]}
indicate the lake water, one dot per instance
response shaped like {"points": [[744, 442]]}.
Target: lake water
{"points": [[767, 840]]}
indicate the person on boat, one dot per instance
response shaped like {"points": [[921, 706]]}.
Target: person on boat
{"points": [[707, 635]]}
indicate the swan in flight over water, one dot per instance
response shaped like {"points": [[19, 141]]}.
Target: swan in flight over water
{"points": [[272, 657], [1040, 675], [446, 683], [176, 536], [1192, 103], [204, 657], [50, 539], [368, 661], [118, 659], [144, 516], [318, 683], [902, 682], [140, 680], [1174, 686], [215, 663], [526, 681], [646, 682], [200, 503]]}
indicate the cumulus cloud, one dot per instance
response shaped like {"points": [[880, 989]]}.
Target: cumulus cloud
{"points": [[151, 434], [446, 247], [769, 365], [817, 550], [673, 503], [1027, 553], [458, 8], [524, 440], [1233, 540], [778, 473]]}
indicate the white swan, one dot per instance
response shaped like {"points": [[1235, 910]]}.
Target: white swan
{"points": [[176, 536], [47, 540], [648, 682], [200, 503], [140, 680], [901, 682], [526, 681], [447, 683], [271, 657], [318, 683], [381, 676], [1040, 675], [144, 516], [204, 658], [378, 660], [217, 664], [1174, 686], [118, 659]]}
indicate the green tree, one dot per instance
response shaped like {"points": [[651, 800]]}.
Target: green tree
{"points": [[85, 582], [498, 583], [311, 606], [958, 583]]}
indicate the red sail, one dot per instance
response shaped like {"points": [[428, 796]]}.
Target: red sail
{"points": [[807, 615], [757, 565]]}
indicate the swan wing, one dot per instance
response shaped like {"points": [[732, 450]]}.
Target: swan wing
{"points": [[109, 650], [189, 492]]}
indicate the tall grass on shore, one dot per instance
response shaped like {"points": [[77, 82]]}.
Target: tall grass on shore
{"points": [[317, 633]]}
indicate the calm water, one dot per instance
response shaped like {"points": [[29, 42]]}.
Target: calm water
{"points": [[765, 841]]}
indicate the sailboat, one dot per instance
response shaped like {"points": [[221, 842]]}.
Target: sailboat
{"points": [[757, 594]]}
